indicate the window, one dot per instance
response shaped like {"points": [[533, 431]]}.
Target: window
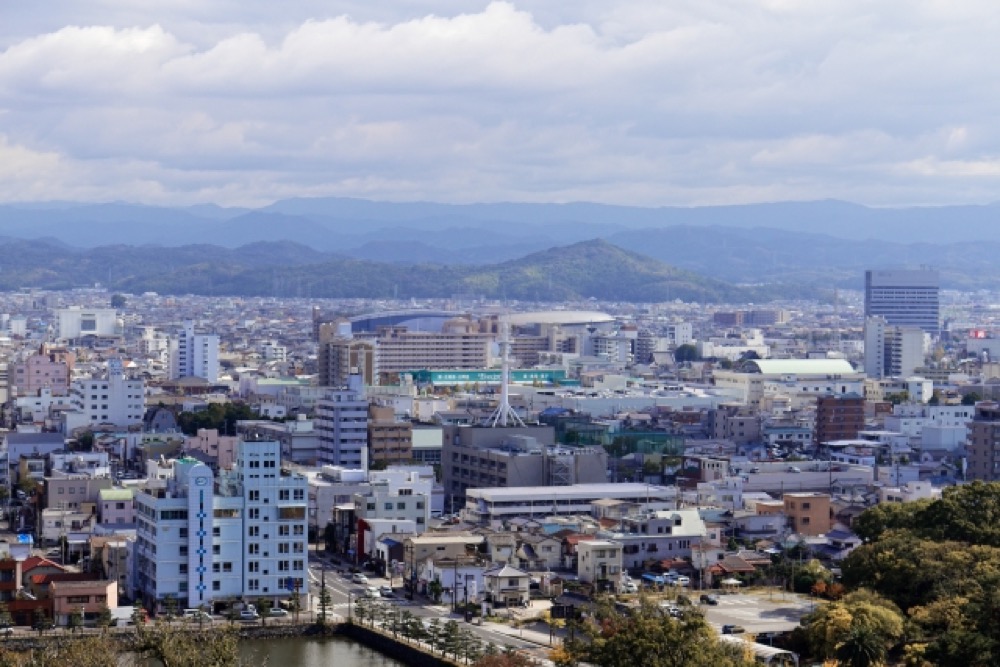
{"points": [[182, 568], [283, 531], [254, 496], [283, 494], [401, 506], [388, 506], [282, 566], [283, 548], [216, 585], [512, 582], [297, 565], [216, 531], [253, 566], [253, 531], [253, 548]]}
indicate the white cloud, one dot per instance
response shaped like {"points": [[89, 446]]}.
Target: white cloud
{"points": [[637, 102]]}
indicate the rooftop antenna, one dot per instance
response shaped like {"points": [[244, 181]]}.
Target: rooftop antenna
{"points": [[504, 413]]}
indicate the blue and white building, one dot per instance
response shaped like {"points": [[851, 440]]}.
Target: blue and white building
{"points": [[210, 542]]}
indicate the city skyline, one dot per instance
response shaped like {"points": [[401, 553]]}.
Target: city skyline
{"points": [[625, 103]]}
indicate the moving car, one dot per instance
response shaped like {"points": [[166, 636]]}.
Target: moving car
{"points": [[359, 578], [733, 629], [277, 612], [372, 592], [709, 599], [385, 591], [249, 615]]}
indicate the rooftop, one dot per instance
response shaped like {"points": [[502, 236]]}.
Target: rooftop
{"points": [[799, 367]]}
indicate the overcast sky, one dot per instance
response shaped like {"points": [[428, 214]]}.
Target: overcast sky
{"points": [[645, 102]]}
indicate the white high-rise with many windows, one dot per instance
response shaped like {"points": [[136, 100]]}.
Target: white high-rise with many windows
{"points": [[207, 542], [194, 354]]}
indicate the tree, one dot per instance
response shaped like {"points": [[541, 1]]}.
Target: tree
{"points": [[118, 301], [686, 352], [971, 398], [183, 647], [105, 618], [42, 622], [169, 608], [650, 638], [435, 589], [263, 608], [862, 647], [74, 621], [509, 658], [450, 642], [325, 602], [875, 521], [857, 619]]}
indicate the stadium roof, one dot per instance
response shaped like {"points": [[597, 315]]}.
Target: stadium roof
{"points": [[799, 367], [560, 317]]}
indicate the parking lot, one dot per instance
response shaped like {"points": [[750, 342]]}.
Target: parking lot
{"points": [[758, 613]]}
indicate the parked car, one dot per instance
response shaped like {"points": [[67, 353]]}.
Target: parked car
{"points": [[385, 591], [709, 599], [359, 578], [372, 592], [682, 581], [794, 469], [630, 587], [733, 629], [277, 612], [249, 615], [197, 615]]}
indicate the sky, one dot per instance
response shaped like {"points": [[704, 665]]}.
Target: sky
{"points": [[638, 102]]}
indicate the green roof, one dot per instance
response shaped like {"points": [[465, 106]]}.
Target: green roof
{"points": [[116, 494]]}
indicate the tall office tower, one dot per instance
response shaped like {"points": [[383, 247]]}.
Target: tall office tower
{"points": [[892, 351], [904, 297], [195, 355]]}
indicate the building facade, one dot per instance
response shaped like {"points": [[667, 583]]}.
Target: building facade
{"points": [[208, 543], [195, 355], [342, 425], [908, 298]]}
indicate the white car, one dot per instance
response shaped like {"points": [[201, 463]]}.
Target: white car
{"points": [[277, 612], [372, 592], [683, 581], [359, 578]]}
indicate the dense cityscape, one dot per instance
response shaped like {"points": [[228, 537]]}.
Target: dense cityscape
{"points": [[499, 333], [371, 450]]}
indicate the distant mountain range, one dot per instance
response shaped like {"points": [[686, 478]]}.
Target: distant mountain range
{"points": [[809, 245], [590, 269]]}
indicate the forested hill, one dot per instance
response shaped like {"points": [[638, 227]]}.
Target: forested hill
{"points": [[589, 269]]}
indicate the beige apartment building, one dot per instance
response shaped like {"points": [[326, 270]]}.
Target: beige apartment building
{"points": [[459, 346], [808, 513]]}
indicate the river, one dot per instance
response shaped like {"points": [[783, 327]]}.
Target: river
{"points": [[301, 652]]}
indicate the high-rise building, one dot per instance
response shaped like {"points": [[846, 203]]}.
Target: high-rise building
{"points": [[984, 443], [342, 424], [892, 351], [195, 355], [207, 542], [340, 356], [904, 297]]}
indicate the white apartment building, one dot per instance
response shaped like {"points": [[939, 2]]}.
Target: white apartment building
{"points": [[658, 536], [342, 424], [399, 495], [76, 322], [272, 351], [195, 355], [210, 542], [110, 400], [599, 560]]}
